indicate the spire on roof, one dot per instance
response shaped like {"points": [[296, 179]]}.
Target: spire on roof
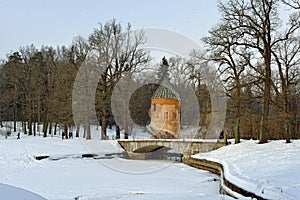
{"points": [[163, 71], [166, 89]]}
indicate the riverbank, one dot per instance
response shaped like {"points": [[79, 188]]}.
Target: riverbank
{"points": [[263, 171]]}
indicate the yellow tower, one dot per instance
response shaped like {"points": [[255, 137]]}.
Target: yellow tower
{"points": [[165, 112]]}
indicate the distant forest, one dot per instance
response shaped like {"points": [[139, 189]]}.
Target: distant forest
{"points": [[256, 55]]}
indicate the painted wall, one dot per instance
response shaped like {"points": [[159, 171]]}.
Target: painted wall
{"points": [[165, 117]]}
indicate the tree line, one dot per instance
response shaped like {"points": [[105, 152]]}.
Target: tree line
{"points": [[256, 54], [37, 84]]}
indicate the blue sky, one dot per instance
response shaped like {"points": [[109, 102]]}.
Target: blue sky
{"points": [[56, 22]]}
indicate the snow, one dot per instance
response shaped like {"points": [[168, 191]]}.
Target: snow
{"points": [[86, 178], [6, 192], [269, 170]]}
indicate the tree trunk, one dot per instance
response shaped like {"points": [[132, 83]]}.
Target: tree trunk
{"points": [[15, 120], [77, 129], [237, 116], [45, 122], [103, 128], [39, 108], [24, 126], [125, 135], [15, 105], [117, 131], [287, 121], [84, 130], [50, 128], [88, 131], [287, 128], [45, 129], [237, 131], [264, 123], [66, 131], [30, 125], [55, 128], [34, 128]]}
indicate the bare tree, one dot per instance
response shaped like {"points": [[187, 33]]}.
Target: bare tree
{"points": [[198, 67], [116, 51], [256, 23], [11, 81], [232, 60], [32, 60], [287, 57], [81, 98], [292, 3]]}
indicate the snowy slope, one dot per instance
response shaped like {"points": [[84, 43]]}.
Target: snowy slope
{"points": [[270, 170], [89, 178]]}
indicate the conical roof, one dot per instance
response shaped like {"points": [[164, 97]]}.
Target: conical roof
{"points": [[165, 91]]}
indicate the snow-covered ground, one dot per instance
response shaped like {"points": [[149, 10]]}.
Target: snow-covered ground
{"points": [[90, 178], [269, 170]]}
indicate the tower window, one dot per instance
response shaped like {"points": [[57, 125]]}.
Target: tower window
{"points": [[154, 107], [166, 115], [174, 116]]}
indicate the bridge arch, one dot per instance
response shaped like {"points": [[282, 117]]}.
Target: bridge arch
{"points": [[185, 147]]}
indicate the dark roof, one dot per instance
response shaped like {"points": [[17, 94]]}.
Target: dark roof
{"points": [[166, 91]]}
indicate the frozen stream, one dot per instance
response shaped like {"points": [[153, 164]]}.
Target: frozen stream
{"points": [[89, 178]]}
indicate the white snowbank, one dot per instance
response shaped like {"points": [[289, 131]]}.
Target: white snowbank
{"points": [[269, 170], [89, 178]]}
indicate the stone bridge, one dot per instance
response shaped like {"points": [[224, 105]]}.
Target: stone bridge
{"points": [[186, 147]]}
